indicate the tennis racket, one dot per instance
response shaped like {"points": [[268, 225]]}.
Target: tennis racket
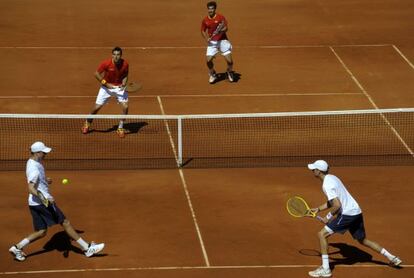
{"points": [[297, 207], [50, 206], [43, 199], [133, 87], [218, 29]]}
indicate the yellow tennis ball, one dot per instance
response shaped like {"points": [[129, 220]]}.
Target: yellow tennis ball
{"points": [[65, 181]]}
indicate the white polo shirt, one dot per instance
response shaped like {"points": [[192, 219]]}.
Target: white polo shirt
{"points": [[35, 173], [334, 188]]}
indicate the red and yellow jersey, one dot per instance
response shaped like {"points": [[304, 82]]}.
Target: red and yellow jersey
{"points": [[210, 24], [114, 73]]}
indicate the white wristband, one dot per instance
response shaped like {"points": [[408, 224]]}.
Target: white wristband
{"points": [[329, 215]]}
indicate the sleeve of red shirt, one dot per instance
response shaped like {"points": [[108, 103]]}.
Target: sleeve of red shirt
{"points": [[203, 25], [126, 70], [102, 67]]}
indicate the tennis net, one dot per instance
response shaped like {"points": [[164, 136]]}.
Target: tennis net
{"points": [[351, 137]]}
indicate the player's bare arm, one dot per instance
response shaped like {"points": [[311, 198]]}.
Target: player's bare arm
{"points": [[100, 77], [33, 189], [224, 29], [124, 81], [205, 35], [335, 206], [322, 207]]}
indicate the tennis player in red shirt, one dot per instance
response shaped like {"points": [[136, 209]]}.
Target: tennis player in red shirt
{"points": [[112, 75], [213, 30]]}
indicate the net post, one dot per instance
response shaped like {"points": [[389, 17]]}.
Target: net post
{"points": [[180, 142]]}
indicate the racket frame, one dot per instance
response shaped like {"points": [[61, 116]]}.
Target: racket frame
{"points": [[133, 87], [218, 30], [308, 212], [43, 199]]}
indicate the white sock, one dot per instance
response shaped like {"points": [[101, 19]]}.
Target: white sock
{"points": [[121, 124], [325, 261], [387, 254], [23, 243], [83, 244]]}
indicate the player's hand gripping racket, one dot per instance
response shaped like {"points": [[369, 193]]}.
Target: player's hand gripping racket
{"points": [[218, 30], [43, 199], [297, 207], [50, 205], [133, 87]]}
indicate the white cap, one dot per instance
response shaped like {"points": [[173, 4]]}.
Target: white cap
{"points": [[39, 147], [320, 165]]}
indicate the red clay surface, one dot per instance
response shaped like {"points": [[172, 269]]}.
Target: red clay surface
{"points": [[292, 56]]}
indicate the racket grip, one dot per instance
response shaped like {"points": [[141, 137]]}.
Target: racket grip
{"points": [[320, 218]]}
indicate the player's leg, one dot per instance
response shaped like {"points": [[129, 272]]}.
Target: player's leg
{"points": [[102, 98], [226, 49], [340, 224], [88, 248], [122, 98], [393, 260], [212, 50], [323, 240], [86, 126], [67, 226], [33, 237], [40, 226], [357, 231], [230, 72], [17, 249], [121, 131], [211, 71], [323, 270], [95, 111]]}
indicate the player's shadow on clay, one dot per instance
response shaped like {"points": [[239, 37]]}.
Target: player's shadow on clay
{"points": [[130, 128], [344, 254], [221, 76], [62, 243], [352, 255]]}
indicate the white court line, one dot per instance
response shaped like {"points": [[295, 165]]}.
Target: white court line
{"points": [[46, 271], [318, 46], [191, 95], [403, 56], [183, 181], [372, 102], [189, 47]]}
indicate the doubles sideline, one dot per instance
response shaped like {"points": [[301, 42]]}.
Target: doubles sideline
{"points": [[371, 100], [193, 95], [166, 268], [189, 47]]}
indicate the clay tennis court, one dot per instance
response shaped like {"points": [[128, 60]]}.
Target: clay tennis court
{"points": [[292, 56]]}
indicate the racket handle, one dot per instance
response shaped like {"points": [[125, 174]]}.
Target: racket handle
{"points": [[320, 218]]}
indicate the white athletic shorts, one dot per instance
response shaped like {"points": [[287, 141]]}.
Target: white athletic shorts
{"points": [[223, 46], [105, 94]]}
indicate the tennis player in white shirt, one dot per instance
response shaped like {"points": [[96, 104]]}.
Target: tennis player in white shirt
{"points": [[45, 216], [344, 215]]}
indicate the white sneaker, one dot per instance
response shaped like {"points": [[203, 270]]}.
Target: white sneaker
{"points": [[396, 261], [320, 272], [213, 78], [94, 249], [17, 253]]}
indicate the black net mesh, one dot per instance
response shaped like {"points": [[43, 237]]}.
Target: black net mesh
{"points": [[355, 139]]}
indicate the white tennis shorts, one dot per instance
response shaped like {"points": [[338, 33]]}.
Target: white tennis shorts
{"points": [[105, 94], [223, 46]]}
